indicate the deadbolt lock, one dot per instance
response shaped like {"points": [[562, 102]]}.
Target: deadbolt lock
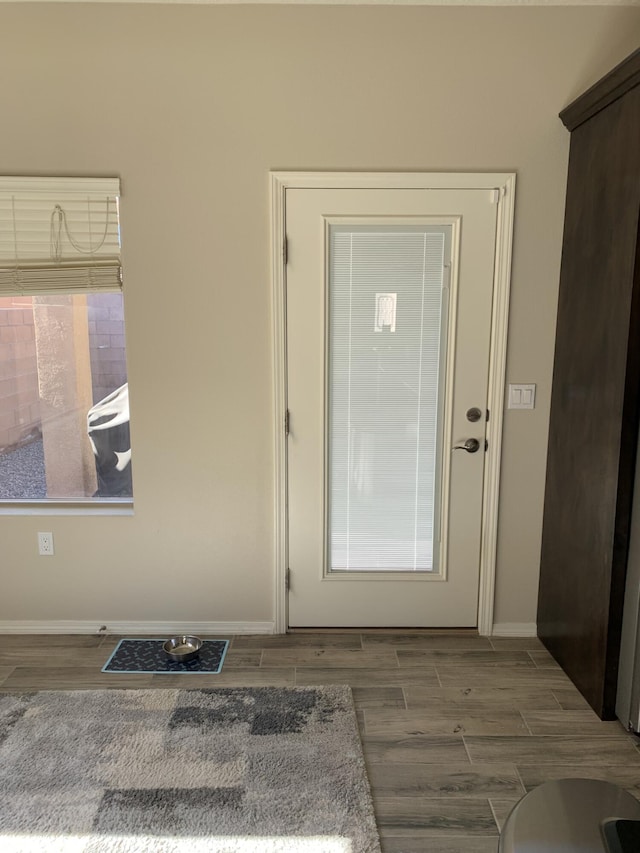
{"points": [[474, 414]]}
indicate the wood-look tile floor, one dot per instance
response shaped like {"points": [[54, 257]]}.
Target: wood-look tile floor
{"points": [[456, 728]]}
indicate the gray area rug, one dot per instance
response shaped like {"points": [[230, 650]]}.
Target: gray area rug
{"points": [[235, 770]]}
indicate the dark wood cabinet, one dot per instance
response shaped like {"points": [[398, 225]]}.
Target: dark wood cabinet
{"points": [[595, 404]]}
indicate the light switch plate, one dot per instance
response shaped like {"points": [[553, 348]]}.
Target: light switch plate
{"points": [[522, 396]]}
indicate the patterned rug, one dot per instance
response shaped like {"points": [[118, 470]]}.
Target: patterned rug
{"points": [[148, 656], [236, 770]]}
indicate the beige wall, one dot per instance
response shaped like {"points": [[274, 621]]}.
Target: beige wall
{"points": [[191, 106]]}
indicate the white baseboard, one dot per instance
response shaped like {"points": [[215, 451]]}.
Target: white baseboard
{"points": [[500, 629], [140, 628], [514, 629]]}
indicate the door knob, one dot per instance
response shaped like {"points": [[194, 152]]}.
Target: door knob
{"points": [[471, 445]]}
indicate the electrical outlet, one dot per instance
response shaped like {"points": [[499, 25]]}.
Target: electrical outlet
{"points": [[45, 544]]}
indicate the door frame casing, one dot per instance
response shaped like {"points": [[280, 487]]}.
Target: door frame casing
{"points": [[502, 184]]}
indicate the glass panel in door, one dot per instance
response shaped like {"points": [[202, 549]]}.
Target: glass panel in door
{"points": [[387, 329]]}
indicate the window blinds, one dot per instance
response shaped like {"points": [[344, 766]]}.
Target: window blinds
{"points": [[387, 335], [59, 235]]}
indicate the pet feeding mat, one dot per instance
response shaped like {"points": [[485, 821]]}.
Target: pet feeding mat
{"points": [[148, 656]]}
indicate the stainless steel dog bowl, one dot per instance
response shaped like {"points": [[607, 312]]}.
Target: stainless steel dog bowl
{"points": [[183, 648]]}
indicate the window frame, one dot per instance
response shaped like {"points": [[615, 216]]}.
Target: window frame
{"points": [[96, 269]]}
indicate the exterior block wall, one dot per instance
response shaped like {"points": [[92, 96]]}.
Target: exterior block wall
{"points": [[106, 343], [19, 397]]}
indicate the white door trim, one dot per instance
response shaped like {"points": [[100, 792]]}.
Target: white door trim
{"points": [[503, 183]]}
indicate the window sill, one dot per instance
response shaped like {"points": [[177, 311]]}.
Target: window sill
{"points": [[66, 507]]}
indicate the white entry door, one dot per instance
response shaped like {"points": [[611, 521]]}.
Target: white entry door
{"points": [[388, 327]]}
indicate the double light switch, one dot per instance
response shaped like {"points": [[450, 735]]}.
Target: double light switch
{"points": [[522, 396]]}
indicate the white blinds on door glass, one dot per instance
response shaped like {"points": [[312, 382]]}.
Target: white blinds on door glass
{"points": [[59, 234], [387, 329]]}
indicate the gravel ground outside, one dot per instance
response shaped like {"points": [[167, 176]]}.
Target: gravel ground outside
{"points": [[22, 473]]}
